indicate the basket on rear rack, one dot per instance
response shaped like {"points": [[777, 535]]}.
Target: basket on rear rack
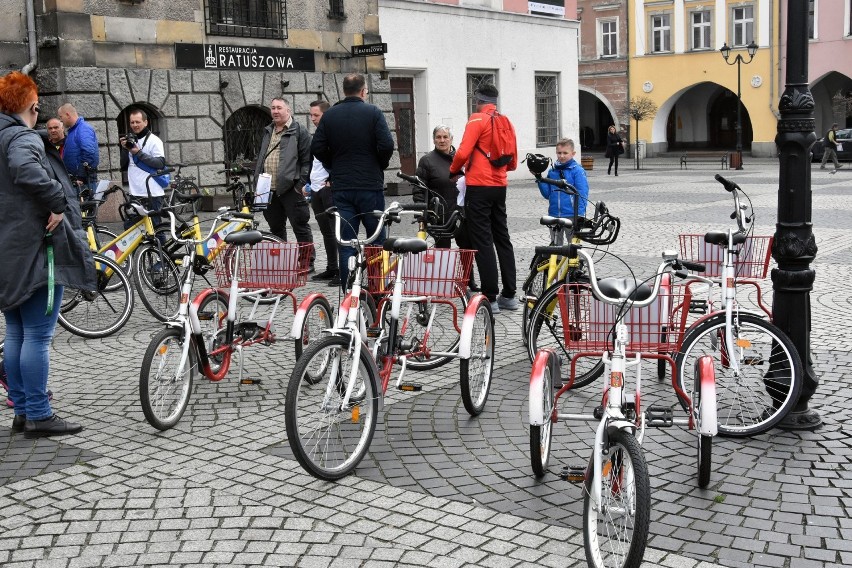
{"points": [[752, 261], [588, 323], [436, 273], [278, 266]]}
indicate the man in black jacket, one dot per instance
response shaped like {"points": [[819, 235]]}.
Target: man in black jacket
{"points": [[285, 154], [354, 144]]}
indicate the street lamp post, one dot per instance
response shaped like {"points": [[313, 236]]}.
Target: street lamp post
{"points": [[726, 52]]}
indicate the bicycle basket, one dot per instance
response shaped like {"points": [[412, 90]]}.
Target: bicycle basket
{"points": [[278, 266], [437, 273], [587, 323], [752, 261]]}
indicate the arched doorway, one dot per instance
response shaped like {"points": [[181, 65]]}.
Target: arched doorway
{"points": [[595, 119], [243, 133], [704, 116], [832, 101]]}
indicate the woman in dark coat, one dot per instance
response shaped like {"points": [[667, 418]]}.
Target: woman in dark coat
{"points": [[36, 197], [614, 148]]}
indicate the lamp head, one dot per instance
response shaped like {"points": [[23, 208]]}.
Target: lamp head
{"points": [[725, 50], [752, 48]]}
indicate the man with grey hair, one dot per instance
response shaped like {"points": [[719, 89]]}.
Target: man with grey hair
{"points": [[285, 154]]}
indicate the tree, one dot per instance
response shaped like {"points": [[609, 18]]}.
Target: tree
{"points": [[640, 108]]}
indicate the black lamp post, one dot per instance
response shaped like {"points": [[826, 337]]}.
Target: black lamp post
{"points": [[726, 52]]}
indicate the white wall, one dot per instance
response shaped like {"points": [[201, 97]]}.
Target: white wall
{"points": [[439, 44]]}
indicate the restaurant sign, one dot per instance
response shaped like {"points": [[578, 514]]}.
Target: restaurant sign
{"points": [[243, 58]]}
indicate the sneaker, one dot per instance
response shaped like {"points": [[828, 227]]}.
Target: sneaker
{"points": [[822, 167], [495, 307], [838, 166], [508, 303], [325, 274], [53, 426], [474, 287], [335, 281], [18, 423]]}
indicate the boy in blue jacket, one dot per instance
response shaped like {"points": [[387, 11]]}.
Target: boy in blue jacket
{"points": [[565, 167]]}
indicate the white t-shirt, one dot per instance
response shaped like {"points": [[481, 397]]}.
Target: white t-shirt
{"points": [[319, 176], [136, 177]]}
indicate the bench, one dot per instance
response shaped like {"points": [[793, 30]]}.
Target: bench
{"points": [[704, 157]]}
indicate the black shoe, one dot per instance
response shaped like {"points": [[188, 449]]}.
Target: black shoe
{"points": [[616, 174], [18, 423], [53, 426], [474, 287], [311, 269], [335, 281], [325, 274]]}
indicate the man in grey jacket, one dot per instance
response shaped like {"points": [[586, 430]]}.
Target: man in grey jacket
{"points": [[285, 154]]}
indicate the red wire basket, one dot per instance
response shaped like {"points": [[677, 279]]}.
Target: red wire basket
{"points": [[279, 266], [751, 262], [437, 273], [657, 328]]}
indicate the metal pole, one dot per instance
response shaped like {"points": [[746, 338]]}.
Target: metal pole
{"points": [[794, 246], [739, 116]]}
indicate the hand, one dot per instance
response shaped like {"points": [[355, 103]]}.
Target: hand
{"points": [[53, 221]]}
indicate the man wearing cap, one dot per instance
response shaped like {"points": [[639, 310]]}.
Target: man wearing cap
{"points": [[485, 203]]}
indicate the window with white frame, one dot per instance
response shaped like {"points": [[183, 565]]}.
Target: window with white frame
{"points": [[474, 81], [701, 29], [661, 33], [743, 25], [546, 109], [608, 38], [812, 31]]}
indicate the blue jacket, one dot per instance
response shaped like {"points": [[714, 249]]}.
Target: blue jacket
{"points": [[81, 145], [562, 204], [354, 144]]}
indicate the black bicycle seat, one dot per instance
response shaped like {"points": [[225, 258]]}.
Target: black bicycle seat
{"points": [[720, 238], [549, 221], [244, 238], [624, 288], [398, 245]]}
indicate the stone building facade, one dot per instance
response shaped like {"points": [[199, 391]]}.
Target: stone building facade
{"points": [[107, 57]]}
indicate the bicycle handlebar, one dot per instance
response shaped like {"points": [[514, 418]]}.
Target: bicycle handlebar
{"points": [[413, 180], [739, 210], [394, 210], [559, 183], [224, 216]]}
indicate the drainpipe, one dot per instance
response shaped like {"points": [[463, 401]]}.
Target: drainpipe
{"points": [[31, 39]]}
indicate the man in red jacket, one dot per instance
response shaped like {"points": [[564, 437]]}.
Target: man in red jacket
{"points": [[485, 202]]}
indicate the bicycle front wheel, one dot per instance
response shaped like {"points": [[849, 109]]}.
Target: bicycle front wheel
{"points": [[615, 530], [102, 311], [157, 280], [541, 436], [328, 438], [165, 382], [767, 385], [476, 370], [546, 330]]}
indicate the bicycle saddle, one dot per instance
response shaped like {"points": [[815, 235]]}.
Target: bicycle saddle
{"points": [[244, 238], [398, 245], [624, 288], [720, 238], [549, 221]]}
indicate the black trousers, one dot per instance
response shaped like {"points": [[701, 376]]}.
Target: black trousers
{"points": [[613, 159], [320, 201], [291, 206], [487, 230]]}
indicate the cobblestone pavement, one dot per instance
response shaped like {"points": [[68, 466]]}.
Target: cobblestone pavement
{"points": [[438, 487]]}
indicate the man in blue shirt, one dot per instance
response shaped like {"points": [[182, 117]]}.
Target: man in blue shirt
{"points": [[81, 146]]}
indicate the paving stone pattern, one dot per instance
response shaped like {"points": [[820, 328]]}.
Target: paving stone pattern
{"points": [[438, 488]]}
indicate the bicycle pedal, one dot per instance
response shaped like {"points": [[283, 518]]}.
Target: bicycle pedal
{"points": [[753, 360], [698, 307], [411, 387], [659, 417], [373, 332], [250, 381], [573, 474]]}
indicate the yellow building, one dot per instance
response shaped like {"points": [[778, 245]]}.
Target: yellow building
{"points": [[675, 61]]}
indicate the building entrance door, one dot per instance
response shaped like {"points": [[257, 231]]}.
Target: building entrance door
{"points": [[402, 96]]}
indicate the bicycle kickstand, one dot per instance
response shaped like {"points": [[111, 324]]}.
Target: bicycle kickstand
{"points": [[247, 380]]}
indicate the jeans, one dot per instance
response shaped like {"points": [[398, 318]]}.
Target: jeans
{"points": [[355, 207], [485, 209], [28, 336]]}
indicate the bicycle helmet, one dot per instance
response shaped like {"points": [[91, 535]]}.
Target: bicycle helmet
{"points": [[537, 163]]}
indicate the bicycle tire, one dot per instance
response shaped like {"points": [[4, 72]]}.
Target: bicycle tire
{"points": [[546, 331], [157, 280], [101, 312], [212, 315], [476, 371], [615, 536], [443, 336], [751, 403], [542, 436], [705, 459], [317, 318], [162, 359], [327, 440]]}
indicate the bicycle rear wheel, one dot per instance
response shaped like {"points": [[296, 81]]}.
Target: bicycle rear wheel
{"points": [[102, 311], [164, 384], [770, 372], [546, 331], [317, 318], [329, 439], [443, 335], [475, 380], [157, 280], [541, 436], [615, 532]]}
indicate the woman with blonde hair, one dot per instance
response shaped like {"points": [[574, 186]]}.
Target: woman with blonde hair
{"points": [[41, 236]]}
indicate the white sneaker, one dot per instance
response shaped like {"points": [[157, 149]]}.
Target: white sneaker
{"points": [[495, 307], [508, 303]]}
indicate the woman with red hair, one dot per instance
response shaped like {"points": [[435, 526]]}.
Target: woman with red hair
{"points": [[38, 213]]}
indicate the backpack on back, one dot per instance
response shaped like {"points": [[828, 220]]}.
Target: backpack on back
{"points": [[501, 151]]}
